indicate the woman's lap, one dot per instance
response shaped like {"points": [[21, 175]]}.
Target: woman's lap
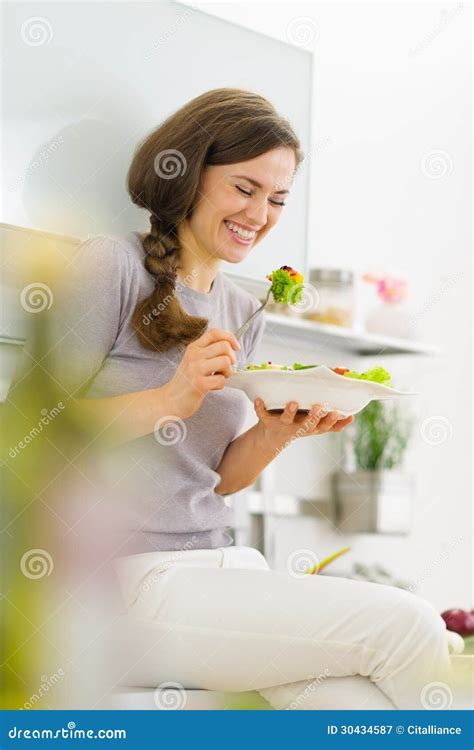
{"points": [[250, 629]]}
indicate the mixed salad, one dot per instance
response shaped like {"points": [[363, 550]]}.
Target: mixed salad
{"points": [[287, 284], [375, 374]]}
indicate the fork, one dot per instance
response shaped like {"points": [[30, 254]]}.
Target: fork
{"points": [[244, 327]]}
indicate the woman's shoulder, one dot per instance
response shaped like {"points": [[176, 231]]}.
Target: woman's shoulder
{"points": [[114, 257], [122, 248]]}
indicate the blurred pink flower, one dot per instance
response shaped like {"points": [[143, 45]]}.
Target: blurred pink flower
{"points": [[388, 289]]}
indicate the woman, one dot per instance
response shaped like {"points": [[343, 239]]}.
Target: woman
{"points": [[152, 324]]}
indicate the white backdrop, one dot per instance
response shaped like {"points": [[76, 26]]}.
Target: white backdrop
{"points": [[84, 82], [391, 190]]}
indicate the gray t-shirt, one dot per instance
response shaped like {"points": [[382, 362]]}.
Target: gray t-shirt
{"points": [[167, 478]]}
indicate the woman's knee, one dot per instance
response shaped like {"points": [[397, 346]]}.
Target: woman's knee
{"points": [[422, 614], [413, 619]]}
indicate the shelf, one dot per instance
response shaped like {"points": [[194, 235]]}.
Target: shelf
{"points": [[286, 505], [342, 338], [320, 334]]}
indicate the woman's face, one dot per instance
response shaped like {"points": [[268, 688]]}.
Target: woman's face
{"points": [[239, 203]]}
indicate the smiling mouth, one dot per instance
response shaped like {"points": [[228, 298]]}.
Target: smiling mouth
{"points": [[243, 235]]}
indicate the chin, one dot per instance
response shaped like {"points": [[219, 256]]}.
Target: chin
{"points": [[234, 256]]}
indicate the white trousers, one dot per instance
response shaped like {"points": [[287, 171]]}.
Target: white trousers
{"points": [[220, 619]]}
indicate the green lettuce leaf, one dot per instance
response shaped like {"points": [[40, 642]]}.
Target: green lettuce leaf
{"points": [[375, 374], [282, 287]]}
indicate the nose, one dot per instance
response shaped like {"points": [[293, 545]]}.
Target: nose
{"points": [[257, 213]]}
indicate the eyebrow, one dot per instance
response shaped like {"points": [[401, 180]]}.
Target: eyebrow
{"points": [[257, 184]]}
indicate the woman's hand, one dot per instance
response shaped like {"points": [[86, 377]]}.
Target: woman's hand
{"points": [[279, 429], [205, 365]]}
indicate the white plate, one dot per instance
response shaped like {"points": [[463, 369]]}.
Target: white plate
{"points": [[315, 385]]}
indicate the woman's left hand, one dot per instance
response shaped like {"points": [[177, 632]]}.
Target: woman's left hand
{"points": [[290, 425]]}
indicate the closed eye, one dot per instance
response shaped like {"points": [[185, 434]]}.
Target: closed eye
{"points": [[249, 193]]}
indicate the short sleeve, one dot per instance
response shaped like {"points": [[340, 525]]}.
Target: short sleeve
{"points": [[253, 337], [88, 312]]}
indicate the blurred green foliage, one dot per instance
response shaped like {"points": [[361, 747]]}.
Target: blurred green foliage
{"points": [[39, 442], [380, 435]]}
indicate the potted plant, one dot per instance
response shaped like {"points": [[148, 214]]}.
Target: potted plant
{"points": [[372, 493]]}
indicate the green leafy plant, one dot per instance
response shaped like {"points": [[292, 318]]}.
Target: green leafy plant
{"points": [[380, 436]]}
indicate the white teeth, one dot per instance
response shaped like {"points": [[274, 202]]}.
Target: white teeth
{"points": [[244, 233]]}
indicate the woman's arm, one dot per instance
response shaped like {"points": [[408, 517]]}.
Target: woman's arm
{"points": [[244, 460], [205, 365], [247, 456], [128, 416]]}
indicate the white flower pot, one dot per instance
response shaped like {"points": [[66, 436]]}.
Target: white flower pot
{"points": [[377, 502]]}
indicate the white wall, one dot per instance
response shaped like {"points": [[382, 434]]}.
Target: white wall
{"points": [[391, 85], [88, 81]]}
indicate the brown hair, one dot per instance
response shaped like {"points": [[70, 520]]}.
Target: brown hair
{"points": [[222, 126]]}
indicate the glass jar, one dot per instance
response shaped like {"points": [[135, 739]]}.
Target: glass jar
{"points": [[335, 291]]}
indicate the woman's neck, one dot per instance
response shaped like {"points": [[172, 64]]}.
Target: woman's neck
{"points": [[196, 269]]}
